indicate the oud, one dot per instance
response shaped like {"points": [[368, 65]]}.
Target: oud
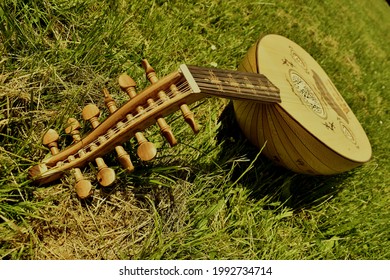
{"points": [[281, 97]]}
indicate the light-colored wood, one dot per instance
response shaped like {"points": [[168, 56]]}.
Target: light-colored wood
{"points": [[146, 150], [165, 129], [105, 175], [185, 110], [128, 85], [73, 128], [312, 130], [292, 106], [123, 156], [86, 150], [83, 186], [50, 140]]}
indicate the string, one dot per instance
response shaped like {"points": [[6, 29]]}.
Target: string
{"points": [[246, 82], [181, 89]]}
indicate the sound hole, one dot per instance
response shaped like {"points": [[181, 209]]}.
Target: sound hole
{"points": [[306, 94]]}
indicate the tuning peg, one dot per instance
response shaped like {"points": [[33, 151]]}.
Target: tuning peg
{"points": [[128, 85], [146, 150], [106, 175], [91, 113], [149, 71], [73, 128], [50, 140], [83, 186], [123, 156], [185, 110], [109, 101], [165, 129]]}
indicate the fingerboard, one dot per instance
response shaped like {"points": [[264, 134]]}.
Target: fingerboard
{"points": [[235, 84]]}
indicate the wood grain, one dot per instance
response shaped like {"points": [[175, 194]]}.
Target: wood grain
{"points": [[301, 135]]}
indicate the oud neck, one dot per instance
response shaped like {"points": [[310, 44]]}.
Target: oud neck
{"points": [[231, 84]]}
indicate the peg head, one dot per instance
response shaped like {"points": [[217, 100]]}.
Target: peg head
{"points": [[90, 111], [109, 101], [168, 134], [50, 136], [83, 186], [125, 81], [149, 71], [83, 189], [148, 68], [146, 151], [107, 96], [72, 126], [189, 118], [106, 176]]}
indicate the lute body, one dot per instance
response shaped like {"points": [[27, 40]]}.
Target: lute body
{"points": [[312, 130], [281, 96]]}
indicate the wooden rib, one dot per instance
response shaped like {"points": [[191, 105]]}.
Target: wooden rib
{"points": [[291, 157], [311, 160], [261, 139], [250, 109], [270, 149], [321, 154], [255, 128]]}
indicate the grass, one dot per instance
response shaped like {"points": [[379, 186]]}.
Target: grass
{"points": [[213, 196]]}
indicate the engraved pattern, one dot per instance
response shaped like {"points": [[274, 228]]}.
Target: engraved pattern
{"points": [[298, 59], [306, 94]]}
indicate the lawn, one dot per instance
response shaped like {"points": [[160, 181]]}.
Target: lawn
{"points": [[213, 196]]}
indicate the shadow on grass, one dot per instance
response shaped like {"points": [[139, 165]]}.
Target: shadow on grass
{"points": [[265, 179]]}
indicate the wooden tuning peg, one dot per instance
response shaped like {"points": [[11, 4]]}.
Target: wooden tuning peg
{"points": [[50, 140], [149, 71], [165, 129], [186, 112], [146, 150], [91, 113], [123, 156], [73, 128], [83, 186], [106, 175], [127, 84]]}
